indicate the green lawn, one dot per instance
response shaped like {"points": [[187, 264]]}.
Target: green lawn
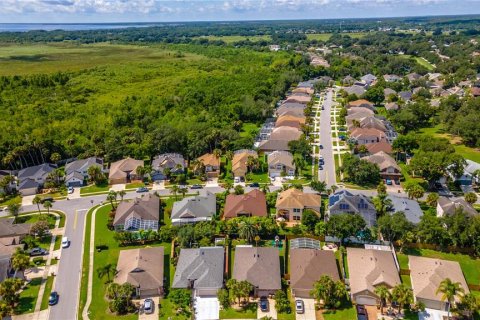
{"points": [[10, 200], [424, 63], [135, 185], [195, 181], [45, 242], [470, 266], [406, 280], [248, 312], [346, 313], [259, 177], [407, 177], [46, 293], [94, 188], [167, 310], [249, 130], [35, 218], [58, 242], [28, 297]]}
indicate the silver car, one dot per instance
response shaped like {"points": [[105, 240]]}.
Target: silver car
{"points": [[148, 306], [299, 306]]}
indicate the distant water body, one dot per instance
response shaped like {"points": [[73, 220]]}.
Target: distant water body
{"points": [[24, 27]]}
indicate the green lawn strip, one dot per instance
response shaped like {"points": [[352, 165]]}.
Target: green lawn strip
{"points": [[247, 312], [402, 260], [85, 262], [259, 177], [10, 200], [35, 218], [46, 293], [135, 185], [94, 188], [45, 242], [58, 242], [167, 310], [195, 181], [336, 157], [28, 297], [169, 204], [347, 312], [406, 280]]}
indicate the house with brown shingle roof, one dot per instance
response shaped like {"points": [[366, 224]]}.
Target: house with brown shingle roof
{"points": [[427, 274], [389, 169], [142, 268], [357, 121], [140, 214], [239, 162], [306, 90], [361, 103], [372, 268], [123, 171], [367, 135], [211, 164], [383, 146], [260, 266], [299, 98], [252, 204], [12, 234], [307, 266], [362, 110], [290, 121], [280, 162], [279, 139], [292, 202]]}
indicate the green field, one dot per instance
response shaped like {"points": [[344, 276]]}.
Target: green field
{"points": [[94, 188], [326, 36], [423, 62], [28, 297], [232, 39]]}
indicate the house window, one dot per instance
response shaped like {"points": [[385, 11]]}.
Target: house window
{"points": [[296, 210], [297, 218]]}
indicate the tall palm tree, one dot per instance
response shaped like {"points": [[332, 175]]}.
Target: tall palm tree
{"points": [[384, 294], [247, 230], [449, 291], [14, 210], [122, 194], [403, 295], [229, 155], [183, 192], [217, 153], [174, 190], [20, 261], [108, 270], [112, 197], [94, 173], [47, 205], [252, 163], [37, 200]]}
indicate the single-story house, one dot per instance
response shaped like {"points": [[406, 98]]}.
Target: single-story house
{"points": [[290, 121], [293, 108], [411, 208], [140, 214], [142, 268], [77, 171], [389, 169], [356, 90], [279, 139], [367, 135], [211, 164], [405, 95], [368, 79], [361, 103], [123, 171], [194, 209], [74, 179], [306, 90], [348, 80], [292, 202], [260, 266], [251, 204], [364, 112], [173, 161], [391, 106], [200, 269], [376, 147], [373, 268], [448, 206], [32, 179], [344, 201], [12, 234], [413, 76], [427, 274], [391, 78], [299, 98], [239, 162], [307, 266], [280, 163]]}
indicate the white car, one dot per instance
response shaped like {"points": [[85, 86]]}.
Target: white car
{"points": [[70, 190], [236, 180], [65, 242]]}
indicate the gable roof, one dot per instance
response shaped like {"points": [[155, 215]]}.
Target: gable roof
{"points": [[142, 267], [8, 229], [308, 265], [200, 268], [253, 203], [35, 172], [361, 110], [450, 205], [201, 206], [357, 203], [360, 103], [285, 133], [372, 268], [383, 160], [258, 265], [368, 78], [300, 98], [294, 198], [411, 208], [283, 157], [427, 273], [355, 89], [168, 160], [239, 161], [119, 169], [209, 159], [28, 183], [382, 146], [405, 95], [372, 122], [290, 121], [74, 175], [359, 133], [145, 208], [83, 164], [391, 106]]}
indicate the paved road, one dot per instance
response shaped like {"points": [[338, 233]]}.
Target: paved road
{"points": [[328, 172]]}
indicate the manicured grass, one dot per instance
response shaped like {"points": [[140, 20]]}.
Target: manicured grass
{"points": [[424, 63], [402, 260], [85, 261], [467, 152], [259, 177], [288, 316], [407, 177], [169, 204], [248, 312], [10, 200], [46, 293], [195, 181], [45, 242], [406, 280], [346, 313], [28, 297], [94, 188], [249, 130], [37, 217], [167, 310], [58, 242], [135, 185]]}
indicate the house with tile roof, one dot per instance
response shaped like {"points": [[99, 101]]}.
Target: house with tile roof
{"points": [[124, 171], [251, 204], [194, 209], [239, 162], [376, 147], [361, 103], [295, 109], [355, 89], [211, 164], [279, 139], [140, 214], [280, 163], [292, 202], [361, 111], [344, 201], [367, 135], [290, 121], [389, 169]]}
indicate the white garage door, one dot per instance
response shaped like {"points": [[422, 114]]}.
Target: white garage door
{"points": [[207, 308], [366, 300]]}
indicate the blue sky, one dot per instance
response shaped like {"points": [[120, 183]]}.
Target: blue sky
{"points": [[62, 11]]}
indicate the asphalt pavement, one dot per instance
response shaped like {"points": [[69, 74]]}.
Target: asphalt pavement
{"points": [[328, 172]]}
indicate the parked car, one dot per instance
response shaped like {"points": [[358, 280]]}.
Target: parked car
{"points": [[53, 299], [50, 199], [196, 186], [320, 167], [37, 252], [65, 242], [148, 306], [361, 312], [264, 305], [299, 306], [397, 182], [388, 182], [321, 146], [254, 185], [142, 189], [70, 190], [236, 180]]}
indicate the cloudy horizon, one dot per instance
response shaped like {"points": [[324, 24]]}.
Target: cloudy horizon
{"points": [[124, 11]]}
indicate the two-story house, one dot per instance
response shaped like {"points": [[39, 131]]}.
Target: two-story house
{"points": [[211, 164], [140, 214], [389, 169], [32, 179], [280, 163], [345, 202], [292, 203], [76, 172], [171, 161]]}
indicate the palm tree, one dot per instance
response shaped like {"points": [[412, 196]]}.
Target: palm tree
{"points": [[229, 155], [20, 261], [14, 210], [108, 270], [403, 295], [112, 196], [37, 200], [449, 291], [94, 173], [122, 194], [183, 192], [55, 157], [217, 153], [9, 290], [469, 305], [252, 163], [47, 205], [197, 166], [247, 230], [384, 294], [174, 190]]}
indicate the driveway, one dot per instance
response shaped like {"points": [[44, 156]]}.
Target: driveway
{"points": [[272, 312], [118, 187], [207, 308], [155, 314], [309, 310], [431, 314]]}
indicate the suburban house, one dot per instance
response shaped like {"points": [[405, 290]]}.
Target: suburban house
{"points": [[293, 108], [359, 112], [373, 268], [290, 121], [292, 202], [391, 106], [171, 161], [306, 90], [388, 92], [140, 214], [413, 76], [345, 202], [376, 147], [358, 120], [5, 262], [468, 176], [348, 80], [448, 206], [260, 266], [427, 274], [239, 162], [367, 135], [32, 179], [252, 204], [200, 269], [299, 98], [279, 139], [409, 207], [355, 89], [361, 103], [405, 95], [211, 164], [142, 268], [124, 171], [280, 163], [391, 78], [12, 234], [194, 209], [307, 266], [368, 79], [76, 172], [389, 169]]}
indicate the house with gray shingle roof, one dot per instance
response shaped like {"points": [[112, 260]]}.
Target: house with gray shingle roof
{"points": [[172, 161], [77, 171], [194, 209], [345, 202], [200, 269], [31, 179], [409, 207]]}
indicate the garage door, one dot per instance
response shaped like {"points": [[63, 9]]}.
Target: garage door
{"points": [[366, 300]]}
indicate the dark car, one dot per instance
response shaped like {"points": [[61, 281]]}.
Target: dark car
{"points": [[53, 299], [196, 186], [320, 167], [254, 185], [361, 312], [321, 146], [49, 199], [37, 252], [264, 305], [142, 189]]}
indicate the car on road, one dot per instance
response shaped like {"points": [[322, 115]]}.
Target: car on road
{"points": [[148, 306], [254, 185], [196, 186], [342, 129], [49, 199], [53, 299], [141, 189], [70, 190], [299, 306], [320, 167], [388, 182], [65, 242], [361, 312], [264, 305], [321, 146], [37, 252]]}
